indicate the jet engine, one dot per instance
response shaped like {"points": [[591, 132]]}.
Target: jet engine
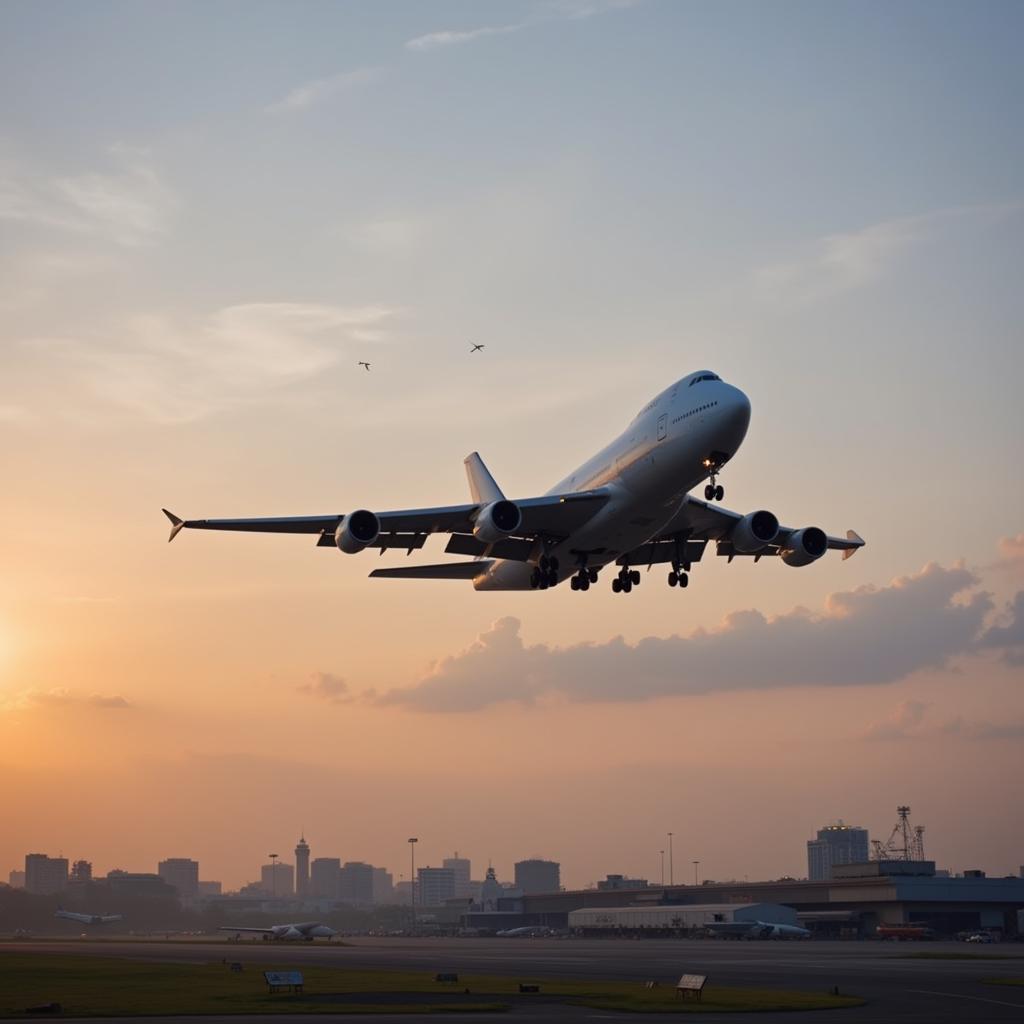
{"points": [[754, 531], [804, 546], [292, 933], [496, 521], [356, 531]]}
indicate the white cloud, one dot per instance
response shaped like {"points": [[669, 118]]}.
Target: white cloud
{"points": [[840, 263], [130, 206], [901, 722], [560, 10], [327, 687], [174, 371], [319, 89], [868, 636]]}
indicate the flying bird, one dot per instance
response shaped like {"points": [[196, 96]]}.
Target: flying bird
{"points": [[367, 365], [475, 348]]}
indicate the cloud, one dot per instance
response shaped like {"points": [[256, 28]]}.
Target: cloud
{"points": [[565, 10], [325, 686], [982, 730], [173, 371], [61, 697], [903, 721], [1009, 636], [130, 206], [868, 636], [1011, 554], [840, 263], [304, 96]]}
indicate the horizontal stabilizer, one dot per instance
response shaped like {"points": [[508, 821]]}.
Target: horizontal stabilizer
{"points": [[447, 571], [176, 524]]}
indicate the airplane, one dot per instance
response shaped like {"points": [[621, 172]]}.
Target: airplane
{"points": [[475, 348], [70, 915], [367, 365], [306, 930], [629, 505], [756, 930]]}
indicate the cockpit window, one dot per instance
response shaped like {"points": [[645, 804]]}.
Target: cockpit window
{"points": [[704, 376]]}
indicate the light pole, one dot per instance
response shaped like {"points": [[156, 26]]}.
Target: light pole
{"points": [[662, 852], [412, 879], [671, 867], [696, 864], [273, 875]]}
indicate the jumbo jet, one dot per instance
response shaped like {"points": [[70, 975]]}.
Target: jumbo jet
{"points": [[307, 930], [628, 506], [71, 915]]}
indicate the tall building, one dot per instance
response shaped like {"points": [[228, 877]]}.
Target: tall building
{"points": [[16, 879], [463, 874], [81, 872], [836, 844], [302, 867], [182, 873], [45, 875], [434, 886], [355, 884], [491, 891], [278, 879], [383, 886], [325, 878], [538, 876]]}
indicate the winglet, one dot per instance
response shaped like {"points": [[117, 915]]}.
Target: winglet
{"points": [[176, 524], [857, 540]]}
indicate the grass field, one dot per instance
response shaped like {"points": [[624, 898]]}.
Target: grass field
{"points": [[100, 986]]}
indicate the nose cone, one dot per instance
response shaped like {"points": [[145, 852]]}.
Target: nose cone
{"points": [[738, 411]]}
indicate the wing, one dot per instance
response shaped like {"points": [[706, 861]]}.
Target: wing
{"points": [[553, 517], [260, 931], [698, 522]]}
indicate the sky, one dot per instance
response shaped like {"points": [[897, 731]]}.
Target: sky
{"points": [[209, 213]]}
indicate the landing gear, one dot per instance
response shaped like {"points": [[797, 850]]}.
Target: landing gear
{"points": [[713, 492], [545, 574], [678, 578], [584, 575], [626, 580]]}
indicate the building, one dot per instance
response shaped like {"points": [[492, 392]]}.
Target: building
{"points": [[81, 872], [16, 879], [278, 879], [383, 886], [325, 878], [538, 876], [836, 844], [210, 888], [678, 918], [490, 891], [463, 875], [181, 873], [355, 884], [139, 883], [434, 886], [621, 882], [302, 867], [45, 875]]}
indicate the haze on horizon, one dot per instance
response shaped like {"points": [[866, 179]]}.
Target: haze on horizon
{"points": [[210, 214]]}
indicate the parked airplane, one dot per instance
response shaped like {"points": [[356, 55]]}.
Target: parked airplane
{"points": [[70, 915], [307, 930], [757, 930], [628, 505]]}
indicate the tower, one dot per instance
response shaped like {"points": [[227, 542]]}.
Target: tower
{"points": [[302, 867]]}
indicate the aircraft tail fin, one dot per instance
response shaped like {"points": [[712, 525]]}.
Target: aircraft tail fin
{"points": [[858, 541], [481, 484], [176, 524]]}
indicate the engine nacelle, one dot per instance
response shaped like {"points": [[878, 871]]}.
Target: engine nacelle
{"points": [[754, 531], [356, 531], [804, 546], [496, 521]]}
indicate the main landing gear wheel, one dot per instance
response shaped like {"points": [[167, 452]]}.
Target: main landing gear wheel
{"points": [[580, 582], [677, 578], [625, 581]]}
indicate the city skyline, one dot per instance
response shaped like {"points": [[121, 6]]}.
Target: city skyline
{"points": [[820, 203]]}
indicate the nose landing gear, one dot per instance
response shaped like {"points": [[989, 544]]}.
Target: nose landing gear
{"points": [[714, 491]]}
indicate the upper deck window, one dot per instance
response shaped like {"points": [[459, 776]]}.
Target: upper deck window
{"points": [[704, 376]]}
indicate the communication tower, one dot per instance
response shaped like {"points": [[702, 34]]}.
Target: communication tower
{"points": [[905, 842]]}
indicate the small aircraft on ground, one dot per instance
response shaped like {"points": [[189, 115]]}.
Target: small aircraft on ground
{"points": [[71, 915], [306, 930], [756, 930]]}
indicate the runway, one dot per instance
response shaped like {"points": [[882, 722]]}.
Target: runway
{"points": [[899, 990]]}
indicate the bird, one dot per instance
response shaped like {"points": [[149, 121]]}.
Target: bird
{"points": [[367, 365], [475, 348]]}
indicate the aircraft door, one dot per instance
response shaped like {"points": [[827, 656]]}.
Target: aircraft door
{"points": [[663, 427]]}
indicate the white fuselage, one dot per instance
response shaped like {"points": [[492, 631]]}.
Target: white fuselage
{"points": [[649, 469]]}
